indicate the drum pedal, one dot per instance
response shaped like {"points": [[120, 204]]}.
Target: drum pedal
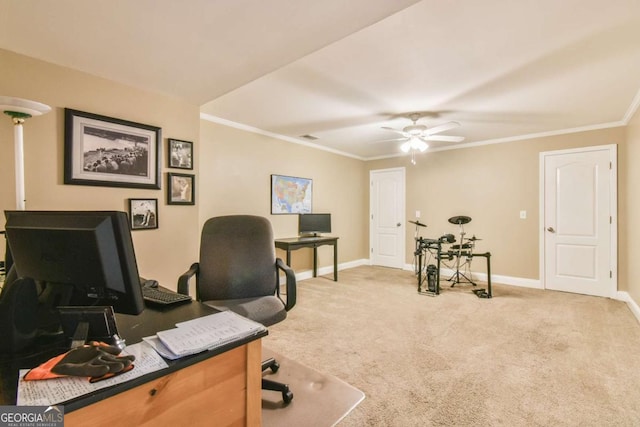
{"points": [[480, 293], [428, 293]]}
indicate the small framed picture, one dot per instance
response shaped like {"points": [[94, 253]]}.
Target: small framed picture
{"points": [[180, 154], [143, 213], [181, 189]]}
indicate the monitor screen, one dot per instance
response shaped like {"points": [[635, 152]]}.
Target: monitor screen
{"points": [[314, 224], [81, 258]]}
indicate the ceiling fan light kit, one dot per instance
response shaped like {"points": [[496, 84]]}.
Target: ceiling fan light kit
{"points": [[414, 144], [415, 136]]}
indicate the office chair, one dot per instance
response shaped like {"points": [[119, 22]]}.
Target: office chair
{"points": [[238, 271]]}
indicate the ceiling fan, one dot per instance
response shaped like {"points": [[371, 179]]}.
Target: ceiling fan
{"points": [[416, 136]]}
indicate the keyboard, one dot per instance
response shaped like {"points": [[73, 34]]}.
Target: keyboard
{"points": [[157, 297]]}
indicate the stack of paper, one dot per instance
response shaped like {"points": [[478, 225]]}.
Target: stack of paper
{"points": [[58, 390], [203, 333]]}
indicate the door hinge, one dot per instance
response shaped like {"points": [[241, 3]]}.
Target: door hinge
{"points": [[610, 165], [610, 220], [610, 274], [371, 250]]}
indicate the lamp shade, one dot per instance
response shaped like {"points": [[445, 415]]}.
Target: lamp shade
{"points": [[9, 104]]}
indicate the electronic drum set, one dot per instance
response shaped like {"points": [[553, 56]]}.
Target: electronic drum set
{"points": [[454, 255]]}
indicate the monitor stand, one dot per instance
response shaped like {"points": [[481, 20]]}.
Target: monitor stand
{"points": [[95, 323], [80, 335], [309, 235]]}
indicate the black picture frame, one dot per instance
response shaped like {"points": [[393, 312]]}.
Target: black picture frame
{"points": [[180, 154], [143, 214], [110, 152], [181, 189]]}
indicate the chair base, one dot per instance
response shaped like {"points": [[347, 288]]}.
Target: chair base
{"points": [[287, 395]]}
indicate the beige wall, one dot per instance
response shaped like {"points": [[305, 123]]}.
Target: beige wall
{"points": [[163, 253], [491, 184], [630, 207], [235, 177]]}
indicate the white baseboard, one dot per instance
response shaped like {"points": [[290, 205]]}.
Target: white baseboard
{"points": [[495, 278], [308, 274], [633, 306]]}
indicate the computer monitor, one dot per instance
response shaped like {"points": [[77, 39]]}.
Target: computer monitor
{"points": [[81, 258], [314, 224]]}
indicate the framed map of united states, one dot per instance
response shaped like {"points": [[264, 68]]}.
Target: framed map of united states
{"points": [[290, 194]]}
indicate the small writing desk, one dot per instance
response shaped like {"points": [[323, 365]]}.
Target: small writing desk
{"points": [[220, 386], [293, 243]]}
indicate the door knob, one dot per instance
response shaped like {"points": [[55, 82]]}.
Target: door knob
{"points": [[551, 230], [398, 224]]}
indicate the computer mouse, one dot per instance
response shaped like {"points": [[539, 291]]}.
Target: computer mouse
{"points": [[151, 283]]}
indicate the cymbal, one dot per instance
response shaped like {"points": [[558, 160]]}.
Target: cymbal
{"points": [[460, 219], [473, 238], [418, 223]]}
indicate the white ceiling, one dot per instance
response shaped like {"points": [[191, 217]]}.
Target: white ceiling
{"points": [[340, 70]]}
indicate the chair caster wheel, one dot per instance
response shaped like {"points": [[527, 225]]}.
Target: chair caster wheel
{"points": [[274, 367], [287, 396]]}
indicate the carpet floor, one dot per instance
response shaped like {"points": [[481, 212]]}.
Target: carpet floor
{"points": [[526, 357]]}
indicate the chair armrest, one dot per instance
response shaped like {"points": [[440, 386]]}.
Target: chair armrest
{"points": [[183, 280], [290, 283]]}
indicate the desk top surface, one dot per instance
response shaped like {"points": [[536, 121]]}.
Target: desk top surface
{"points": [[153, 319], [310, 239], [132, 329]]}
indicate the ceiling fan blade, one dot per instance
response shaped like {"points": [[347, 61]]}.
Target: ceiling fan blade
{"points": [[442, 128], [394, 139], [444, 138], [401, 132]]}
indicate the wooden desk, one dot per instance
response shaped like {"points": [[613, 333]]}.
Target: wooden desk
{"points": [[221, 387], [294, 243]]}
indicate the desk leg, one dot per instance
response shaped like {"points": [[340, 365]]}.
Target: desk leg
{"points": [[335, 262], [289, 257], [489, 274], [438, 269], [315, 261]]}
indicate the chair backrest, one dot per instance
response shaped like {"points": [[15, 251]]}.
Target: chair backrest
{"points": [[237, 258]]}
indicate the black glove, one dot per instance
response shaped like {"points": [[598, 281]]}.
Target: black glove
{"points": [[95, 360], [92, 360]]}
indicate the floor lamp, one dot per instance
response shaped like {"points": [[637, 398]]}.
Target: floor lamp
{"points": [[19, 110]]}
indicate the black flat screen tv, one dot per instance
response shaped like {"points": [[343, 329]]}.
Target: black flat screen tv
{"points": [[80, 258], [314, 224]]}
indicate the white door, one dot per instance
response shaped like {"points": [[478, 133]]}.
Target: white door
{"points": [[387, 227], [578, 220]]}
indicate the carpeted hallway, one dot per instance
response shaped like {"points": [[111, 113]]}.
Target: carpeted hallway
{"points": [[526, 357]]}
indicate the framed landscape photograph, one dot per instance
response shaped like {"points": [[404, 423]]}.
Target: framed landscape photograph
{"points": [[180, 154], [290, 194], [181, 189], [143, 214], [106, 151]]}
